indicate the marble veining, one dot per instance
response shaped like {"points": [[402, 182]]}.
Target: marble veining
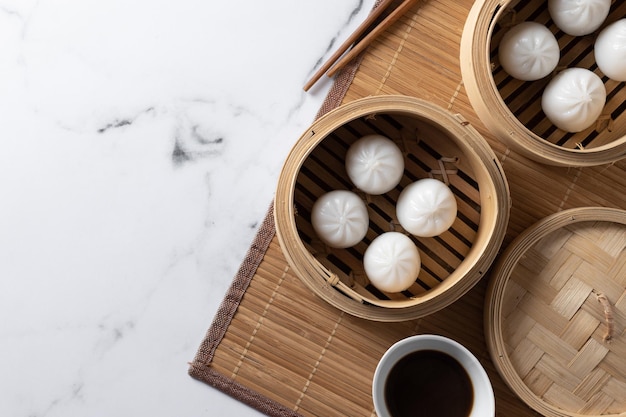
{"points": [[337, 40], [140, 145]]}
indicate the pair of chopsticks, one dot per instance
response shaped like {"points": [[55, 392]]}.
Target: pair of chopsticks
{"points": [[364, 43]]}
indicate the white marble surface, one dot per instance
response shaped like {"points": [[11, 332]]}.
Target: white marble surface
{"points": [[140, 146]]}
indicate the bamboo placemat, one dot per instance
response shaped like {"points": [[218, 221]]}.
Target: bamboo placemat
{"points": [[277, 347]]}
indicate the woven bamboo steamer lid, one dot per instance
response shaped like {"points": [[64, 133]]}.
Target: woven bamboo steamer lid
{"points": [[511, 109], [434, 143], [555, 313]]}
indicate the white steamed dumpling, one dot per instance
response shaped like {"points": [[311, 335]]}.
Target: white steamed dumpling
{"points": [[374, 164], [392, 262], [426, 208], [579, 17], [340, 218], [574, 99], [610, 50], [529, 51]]}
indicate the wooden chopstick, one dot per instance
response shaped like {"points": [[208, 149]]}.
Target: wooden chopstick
{"points": [[364, 43], [375, 14]]}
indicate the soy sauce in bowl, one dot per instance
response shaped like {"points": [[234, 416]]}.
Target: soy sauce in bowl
{"points": [[428, 383]]}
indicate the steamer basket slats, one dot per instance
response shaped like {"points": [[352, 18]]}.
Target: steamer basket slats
{"points": [[511, 108], [435, 144]]}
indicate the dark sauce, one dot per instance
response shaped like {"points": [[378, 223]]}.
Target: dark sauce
{"points": [[428, 383]]}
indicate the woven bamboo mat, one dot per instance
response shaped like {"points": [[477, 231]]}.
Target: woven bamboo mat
{"points": [[277, 347]]}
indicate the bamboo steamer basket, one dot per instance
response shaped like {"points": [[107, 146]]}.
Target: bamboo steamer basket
{"points": [[556, 295], [511, 109], [435, 144]]}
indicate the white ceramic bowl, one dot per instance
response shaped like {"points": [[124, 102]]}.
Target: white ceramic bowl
{"points": [[484, 399]]}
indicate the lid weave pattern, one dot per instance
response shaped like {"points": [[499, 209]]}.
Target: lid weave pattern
{"points": [[563, 317]]}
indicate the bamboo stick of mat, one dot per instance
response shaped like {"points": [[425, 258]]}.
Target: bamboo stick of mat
{"points": [[365, 42], [375, 14]]}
